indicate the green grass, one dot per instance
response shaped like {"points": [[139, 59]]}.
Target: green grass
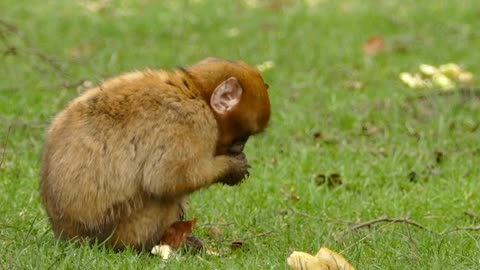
{"points": [[46, 45]]}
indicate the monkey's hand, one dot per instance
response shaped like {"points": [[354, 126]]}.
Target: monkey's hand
{"points": [[238, 172]]}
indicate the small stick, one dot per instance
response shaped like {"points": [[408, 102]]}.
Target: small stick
{"points": [[341, 221], [215, 224], [391, 220], [242, 239], [472, 229], [256, 236], [471, 214]]}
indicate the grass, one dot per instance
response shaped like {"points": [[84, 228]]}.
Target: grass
{"points": [[395, 155]]}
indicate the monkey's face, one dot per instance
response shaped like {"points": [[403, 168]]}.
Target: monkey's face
{"points": [[238, 97], [228, 145]]}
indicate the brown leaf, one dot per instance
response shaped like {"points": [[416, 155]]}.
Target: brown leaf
{"points": [[331, 180], [370, 130], [439, 156], [292, 195], [176, 235], [354, 85], [324, 137], [237, 245], [374, 45], [412, 176], [215, 231]]}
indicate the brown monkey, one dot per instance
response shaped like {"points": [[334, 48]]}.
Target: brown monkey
{"points": [[119, 161]]}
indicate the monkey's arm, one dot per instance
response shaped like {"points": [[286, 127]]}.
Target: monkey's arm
{"points": [[182, 156], [186, 168]]}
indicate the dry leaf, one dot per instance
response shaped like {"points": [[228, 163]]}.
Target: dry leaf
{"points": [[325, 259], [331, 180], [292, 195], [237, 245], [215, 231], [374, 45], [176, 235], [354, 85]]}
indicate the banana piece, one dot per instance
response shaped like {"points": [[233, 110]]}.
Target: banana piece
{"points": [[325, 259]]}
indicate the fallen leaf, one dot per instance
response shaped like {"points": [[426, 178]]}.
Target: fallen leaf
{"points": [[194, 244], [292, 195], [370, 130], [439, 156], [379, 151], [331, 180], [412, 176], [96, 6], [176, 235], [324, 137], [354, 85], [374, 45], [215, 231], [237, 245]]}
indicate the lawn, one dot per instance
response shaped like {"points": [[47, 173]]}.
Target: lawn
{"points": [[348, 142]]}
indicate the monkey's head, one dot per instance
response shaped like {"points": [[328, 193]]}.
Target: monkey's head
{"points": [[238, 97]]}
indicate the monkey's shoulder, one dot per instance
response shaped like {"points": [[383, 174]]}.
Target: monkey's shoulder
{"points": [[136, 98]]}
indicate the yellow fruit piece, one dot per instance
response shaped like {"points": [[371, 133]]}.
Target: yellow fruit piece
{"points": [[466, 77], [303, 261], [428, 70], [450, 70], [163, 251], [333, 260], [325, 259], [443, 82], [412, 81]]}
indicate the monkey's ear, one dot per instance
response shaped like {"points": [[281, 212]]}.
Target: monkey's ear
{"points": [[226, 96]]}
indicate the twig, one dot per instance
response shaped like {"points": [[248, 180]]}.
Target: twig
{"points": [[4, 146], [215, 224], [471, 214], [49, 60], [8, 26], [295, 211], [472, 229], [242, 239], [462, 91], [255, 236], [406, 220]]}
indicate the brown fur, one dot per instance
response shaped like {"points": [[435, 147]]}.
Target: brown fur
{"points": [[119, 161]]}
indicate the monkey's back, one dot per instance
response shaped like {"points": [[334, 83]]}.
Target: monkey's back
{"points": [[98, 149]]}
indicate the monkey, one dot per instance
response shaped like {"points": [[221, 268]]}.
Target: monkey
{"points": [[120, 160]]}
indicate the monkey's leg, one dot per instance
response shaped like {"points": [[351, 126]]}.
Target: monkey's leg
{"points": [[144, 227]]}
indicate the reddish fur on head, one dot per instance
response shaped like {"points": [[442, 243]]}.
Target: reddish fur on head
{"points": [[250, 115]]}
